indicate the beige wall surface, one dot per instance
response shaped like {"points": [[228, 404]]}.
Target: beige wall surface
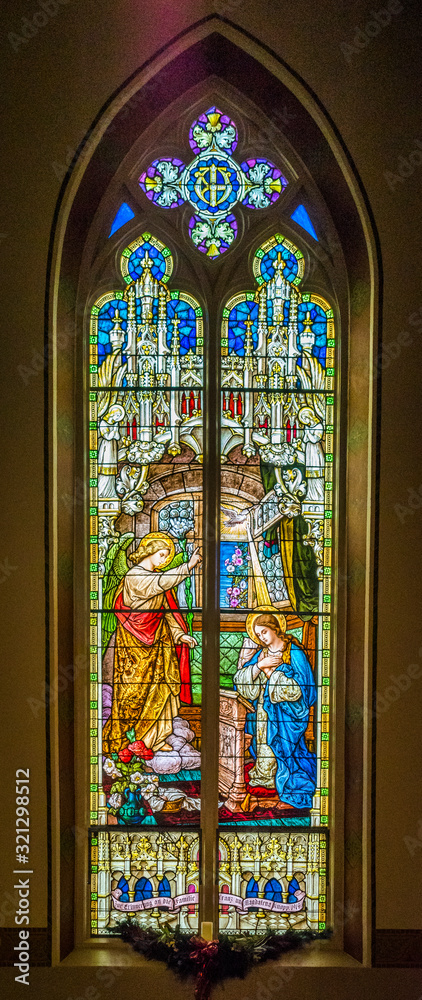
{"points": [[57, 79]]}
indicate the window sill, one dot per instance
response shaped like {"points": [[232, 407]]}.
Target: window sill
{"points": [[116, 953]]}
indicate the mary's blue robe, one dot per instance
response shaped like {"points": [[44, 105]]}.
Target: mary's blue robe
{"points": [[295, 778]]}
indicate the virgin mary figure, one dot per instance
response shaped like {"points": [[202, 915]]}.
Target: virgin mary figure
{"points": [[279, 682], [151, 664]]}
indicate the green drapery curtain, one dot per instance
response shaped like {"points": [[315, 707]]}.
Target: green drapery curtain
{"points": [[299, 561]]}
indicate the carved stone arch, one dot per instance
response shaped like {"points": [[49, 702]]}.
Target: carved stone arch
{"points": [[76, 262], [224, 850], [192, 853], [248, 487], [118, 874], [247, 874], [169, 874]]}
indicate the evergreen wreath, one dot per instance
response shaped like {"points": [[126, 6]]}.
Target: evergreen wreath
{"points": [[229, 956]]}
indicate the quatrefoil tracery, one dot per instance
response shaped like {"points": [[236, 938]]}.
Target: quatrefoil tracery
{"points": [[213, 183]]}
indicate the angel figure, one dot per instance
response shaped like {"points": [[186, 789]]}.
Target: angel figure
{"points": [[314, 453], [151, 660], [278, 680]]}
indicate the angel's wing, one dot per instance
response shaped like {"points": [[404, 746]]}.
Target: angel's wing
{"points": [[116, 568], [247, 651], [177, 560]]}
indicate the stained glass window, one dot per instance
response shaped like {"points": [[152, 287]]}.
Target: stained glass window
{"points": [[145, 521], [153, 876], [277, 881], [277, 413], [213, 183], [123, 215], [147, 539], [301, 216]]}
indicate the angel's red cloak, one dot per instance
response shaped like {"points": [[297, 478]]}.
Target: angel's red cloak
{"points": [[144, 624]]}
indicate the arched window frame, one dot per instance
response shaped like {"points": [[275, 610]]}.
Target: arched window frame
{"points": [[361, 348]]}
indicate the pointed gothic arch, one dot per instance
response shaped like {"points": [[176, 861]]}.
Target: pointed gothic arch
{"points": [[215, 50]]}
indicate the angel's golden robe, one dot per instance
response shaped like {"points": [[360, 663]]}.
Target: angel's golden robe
{"points": [[146, 684]]}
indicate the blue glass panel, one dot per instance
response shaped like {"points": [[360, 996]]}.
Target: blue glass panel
{"points": [[123, 215], [318, 323], [293, 887], [301, 216], [143, 889], [187, 324], [164, 887], [252, 888], [212, 185], [274, 891], [158, 268], [237, 327], [123, 885], [270, 258], [106, 321]]}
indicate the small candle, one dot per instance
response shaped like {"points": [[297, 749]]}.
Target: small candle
{"points": [[207, 930]]}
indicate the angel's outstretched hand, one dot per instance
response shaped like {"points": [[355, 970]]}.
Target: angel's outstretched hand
{"points": [[194, 559]]}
